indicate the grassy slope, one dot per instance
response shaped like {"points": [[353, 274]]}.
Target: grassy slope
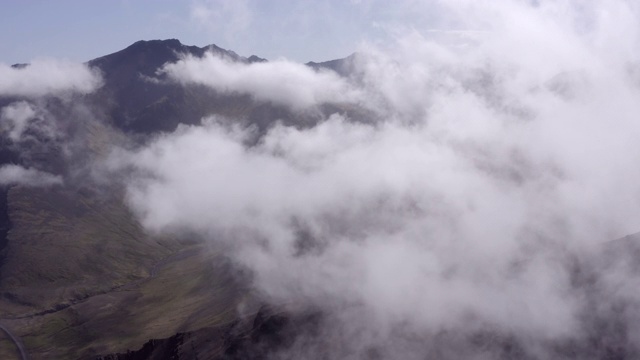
{"points": [[7, 349], [83, 253], [68, 244], [186, 295], [80, 251], [76, 247]]}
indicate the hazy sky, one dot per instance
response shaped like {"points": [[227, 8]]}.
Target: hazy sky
{"points": [[317, 30]]}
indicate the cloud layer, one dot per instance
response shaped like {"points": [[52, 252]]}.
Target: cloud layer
{"points": [[281, 82], [504, 158]]}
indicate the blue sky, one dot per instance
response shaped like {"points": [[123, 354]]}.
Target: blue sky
{"points": [[80, 30]]}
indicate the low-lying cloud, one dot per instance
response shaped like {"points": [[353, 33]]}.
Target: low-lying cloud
{"points": [[47, 77], [17, 175], [16, 118], [281, 82], [501, 163]]}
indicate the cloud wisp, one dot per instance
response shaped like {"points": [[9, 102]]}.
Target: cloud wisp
{"points": [[280, 82], [47, 77], [16, 118], [502, 162], [17, 175]]}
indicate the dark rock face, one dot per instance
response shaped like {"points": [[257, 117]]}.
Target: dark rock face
{"points": [[153, 349], [260, 337]]}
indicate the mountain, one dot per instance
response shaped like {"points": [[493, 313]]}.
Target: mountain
{"points": [[133, 103], [137, 104], [81, 278], [344, 67]]}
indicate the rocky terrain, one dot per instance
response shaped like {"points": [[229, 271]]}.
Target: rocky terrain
{"points": [[79, 277], [85, 275]]}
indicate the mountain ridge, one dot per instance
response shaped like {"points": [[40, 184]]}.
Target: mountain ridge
{"points": [[58, 307]]}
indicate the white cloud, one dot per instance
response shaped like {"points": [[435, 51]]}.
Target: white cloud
{"points": [[16, 117], [15, 174], [281, 82], [498, 163], [47, 77], [23, 120]]}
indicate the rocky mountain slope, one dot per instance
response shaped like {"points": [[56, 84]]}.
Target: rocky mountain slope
{"points": [[79, 276], [82, 278]]}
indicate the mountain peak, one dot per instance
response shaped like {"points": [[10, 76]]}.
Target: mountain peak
{"points": [[254, 59], [154, 53], [343, 66], [173, 44], [145, 56]]}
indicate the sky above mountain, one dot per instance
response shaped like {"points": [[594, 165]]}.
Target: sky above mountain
{"points": [[314, 30]]}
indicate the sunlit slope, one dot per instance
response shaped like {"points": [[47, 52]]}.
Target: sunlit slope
{"points": [[68, 244], [189, 291]]}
